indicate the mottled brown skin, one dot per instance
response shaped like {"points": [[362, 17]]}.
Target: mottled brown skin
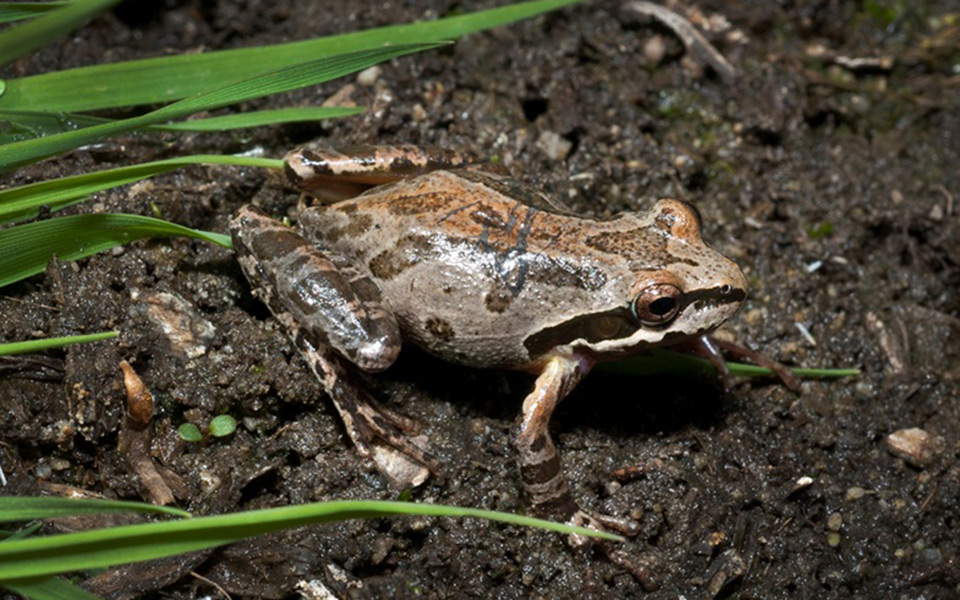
{"points": [[480, 269]]}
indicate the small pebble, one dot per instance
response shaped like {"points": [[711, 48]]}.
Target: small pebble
{"points": [[59, 464], [835, 522], [419, 113], [43, 471], [554, 145], [368, 77], [654, 50], [855, 493], [915, 446]]}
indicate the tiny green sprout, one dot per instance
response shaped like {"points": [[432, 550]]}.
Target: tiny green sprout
{"points": [[190, 433], [156, 210], [820, 230], [222, 426]]}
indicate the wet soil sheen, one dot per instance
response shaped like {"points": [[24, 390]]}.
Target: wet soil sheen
{"points": [[827, 168]]}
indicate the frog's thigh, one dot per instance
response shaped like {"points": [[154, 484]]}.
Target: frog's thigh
{"points": [[328, 305], [335, 174], [539, 462]]}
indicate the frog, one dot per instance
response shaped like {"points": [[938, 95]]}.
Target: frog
{"points": [[427, 246]]}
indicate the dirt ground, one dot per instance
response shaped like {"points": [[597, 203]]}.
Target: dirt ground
{"points": [[827, 168]]}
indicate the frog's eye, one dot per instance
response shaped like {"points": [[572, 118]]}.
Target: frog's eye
{"points": [[657, 304]]}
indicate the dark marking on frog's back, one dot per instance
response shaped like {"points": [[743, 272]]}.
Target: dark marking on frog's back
{"points": [[498, 299], [440, 329], [561, 273], [640, 241], [353, 225], [416, 204], [642, 246], [517, 191], [409, 251]]}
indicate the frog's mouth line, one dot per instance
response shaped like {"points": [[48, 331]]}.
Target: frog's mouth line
{"points": [[617, 331]]}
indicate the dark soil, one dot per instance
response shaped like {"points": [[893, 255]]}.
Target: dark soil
{"points": [[835, 188]]}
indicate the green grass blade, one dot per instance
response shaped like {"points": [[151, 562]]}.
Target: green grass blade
{"points": [[12, 348], [667, 361], [40, 556], [16, 11], [24, 202], [290, 78], [25, 250], [260, 118], [26, 508], [23, 532], [24, 39], [25, 125], [49, 588], [162, 79]]}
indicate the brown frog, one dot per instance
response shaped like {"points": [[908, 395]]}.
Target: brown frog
{"points": [[477, 269]]}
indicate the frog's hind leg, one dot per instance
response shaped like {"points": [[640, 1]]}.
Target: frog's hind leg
{"points": [[332, 175], [333, 315]]}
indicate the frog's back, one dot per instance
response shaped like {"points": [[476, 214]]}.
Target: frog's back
{"points": [[474, 264]]}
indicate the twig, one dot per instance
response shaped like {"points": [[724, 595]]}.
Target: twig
{"points": [[692, 39]]}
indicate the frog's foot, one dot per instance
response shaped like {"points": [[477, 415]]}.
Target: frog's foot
{"points": [[383, 436], [712, 348], [642, 570]]}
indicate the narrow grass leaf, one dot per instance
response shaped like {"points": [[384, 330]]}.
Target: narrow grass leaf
{"points": [[667, 361], [25, 125], [12, 348], [23, 532], [162, 79], [25, 201], [25, 508], [131, 543], [290, 78], [49, 588], [25, 250], [16, 11], [260, 118], [24, 39]]}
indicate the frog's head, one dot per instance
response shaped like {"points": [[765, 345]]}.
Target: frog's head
{"points": [[678, 288]]}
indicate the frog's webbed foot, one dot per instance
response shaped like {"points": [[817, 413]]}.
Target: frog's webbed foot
{"points": [[379, 434], [712, 349]]}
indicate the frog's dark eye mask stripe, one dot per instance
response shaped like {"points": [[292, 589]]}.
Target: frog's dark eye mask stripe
{"points": [[619, 323]]}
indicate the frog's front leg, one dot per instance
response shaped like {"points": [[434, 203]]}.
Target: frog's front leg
{"points": [[539, 461], [332, 314]]}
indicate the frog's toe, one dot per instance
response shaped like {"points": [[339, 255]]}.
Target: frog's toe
{"points": [[380, 434], [641, 567], [399, 467], [626, 527]]}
